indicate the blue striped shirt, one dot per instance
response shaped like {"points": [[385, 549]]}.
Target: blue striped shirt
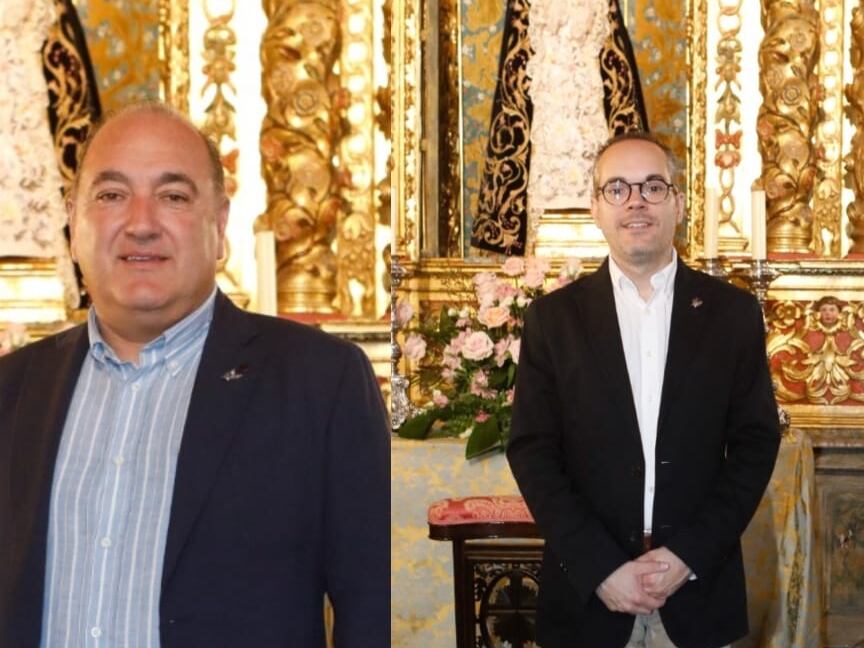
{"points": [[112, 489]]}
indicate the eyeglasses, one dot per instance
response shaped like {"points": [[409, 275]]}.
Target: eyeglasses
{"points": [[654, 191]]}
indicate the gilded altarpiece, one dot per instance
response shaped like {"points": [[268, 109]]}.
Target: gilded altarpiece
{"points": [[186, 53], [771, 99]]}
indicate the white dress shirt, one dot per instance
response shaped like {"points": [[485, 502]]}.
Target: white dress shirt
{"points": [[644, 326]]}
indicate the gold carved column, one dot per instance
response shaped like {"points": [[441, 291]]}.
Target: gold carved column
{"points": [[356, 231], [855, 158], [787, 120], [300, 135]]}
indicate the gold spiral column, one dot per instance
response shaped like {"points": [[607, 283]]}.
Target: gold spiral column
{"points": [[787, 120], [855, 159], [299, 136]]}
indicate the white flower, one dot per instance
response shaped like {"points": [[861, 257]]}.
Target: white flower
{"points": [[477, 346]]}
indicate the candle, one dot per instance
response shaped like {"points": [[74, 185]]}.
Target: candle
{"points": [[758, 245], [711, 224], [265, 257]]}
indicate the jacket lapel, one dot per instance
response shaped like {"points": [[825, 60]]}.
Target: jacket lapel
{"points": [[597, 311], [690, 308], [226, 378], [46, 393]]}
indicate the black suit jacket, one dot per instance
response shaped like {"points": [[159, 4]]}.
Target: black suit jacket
{"points": [[281, 492], [576, 453]]}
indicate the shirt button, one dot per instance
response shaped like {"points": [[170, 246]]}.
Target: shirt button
{"points": [[119, 460], [105, 542], [95, 632], [136, 386], [172, 365]]}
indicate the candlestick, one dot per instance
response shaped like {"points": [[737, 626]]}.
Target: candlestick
{"points": [[758, 245], [265, 258], [711, 224]]}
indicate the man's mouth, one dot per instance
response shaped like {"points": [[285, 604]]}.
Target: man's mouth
{"points": [[142, 258], [637, 225]]}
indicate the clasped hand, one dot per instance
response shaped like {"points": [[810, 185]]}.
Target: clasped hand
{"points": [[641, 586]]}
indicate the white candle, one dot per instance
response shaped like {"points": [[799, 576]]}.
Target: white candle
{"points": [[711, 223], [758, 245], [265, 257]]}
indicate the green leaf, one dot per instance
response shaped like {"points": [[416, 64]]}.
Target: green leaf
{"points": [[485, 438], [417, 427], [511, 374]]}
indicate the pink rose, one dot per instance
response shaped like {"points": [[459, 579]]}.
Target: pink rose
{"points": [[481, 416], [487, 293], [482, 278], [477, 346], [537, 263], [501, 347], [514, 348], [509, 395], [404, 313], [479, 384], [439, 399], [534, 278], [415, 347], [513, 266], [493, 316], [506, 291]]}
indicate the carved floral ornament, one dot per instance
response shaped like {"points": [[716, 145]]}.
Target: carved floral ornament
{"points": [[816, 351]]}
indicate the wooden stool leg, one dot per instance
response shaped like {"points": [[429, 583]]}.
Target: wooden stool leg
{"points": [[464, 597]]}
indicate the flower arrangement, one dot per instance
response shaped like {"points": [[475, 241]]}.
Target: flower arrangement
{"points": [[464, 359]]}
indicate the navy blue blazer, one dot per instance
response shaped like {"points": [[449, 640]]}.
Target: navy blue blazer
{"points": [[282, 490], [576, 453]]}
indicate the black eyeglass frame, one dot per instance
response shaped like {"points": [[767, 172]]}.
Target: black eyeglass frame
{"points": [[630, 185]]}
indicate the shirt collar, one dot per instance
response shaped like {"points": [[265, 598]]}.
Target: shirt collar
{"points": [[662, 281], [170, 342]]}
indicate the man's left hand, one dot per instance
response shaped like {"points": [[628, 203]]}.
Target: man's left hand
{"points": [[665, 583]]}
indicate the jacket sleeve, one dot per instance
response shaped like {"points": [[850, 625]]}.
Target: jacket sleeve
{"points": [[578, 539], [357, 509], [752, 442]]}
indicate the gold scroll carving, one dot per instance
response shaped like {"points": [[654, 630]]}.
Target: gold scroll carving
{"points": [[174, 53], [72, 101], [829, 145], [855, 158], [299, 136], [219, 41], [355, 278], [787, 121], [502, 203], [816, 351], [727, 135]]}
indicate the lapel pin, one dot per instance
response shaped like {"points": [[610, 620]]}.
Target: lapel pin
{"points": [[236, 373], [696, 303]]}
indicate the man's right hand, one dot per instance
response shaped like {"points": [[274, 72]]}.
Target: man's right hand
{"points": [[622, 591]]}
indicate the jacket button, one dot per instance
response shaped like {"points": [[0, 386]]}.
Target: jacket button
{"points": [[635, 537], [638, 472], [563, 567]]}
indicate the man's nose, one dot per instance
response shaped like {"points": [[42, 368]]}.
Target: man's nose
{"points": [[142, 219], [635, 198]]}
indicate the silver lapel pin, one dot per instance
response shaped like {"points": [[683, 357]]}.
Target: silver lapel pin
{"points": [[235, 374], [696, 303]]}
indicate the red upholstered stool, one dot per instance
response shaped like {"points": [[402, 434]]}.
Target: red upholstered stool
{"points": [[496, 567]]}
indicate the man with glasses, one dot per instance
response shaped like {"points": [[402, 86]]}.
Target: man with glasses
{"points": [[644, 428]]}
